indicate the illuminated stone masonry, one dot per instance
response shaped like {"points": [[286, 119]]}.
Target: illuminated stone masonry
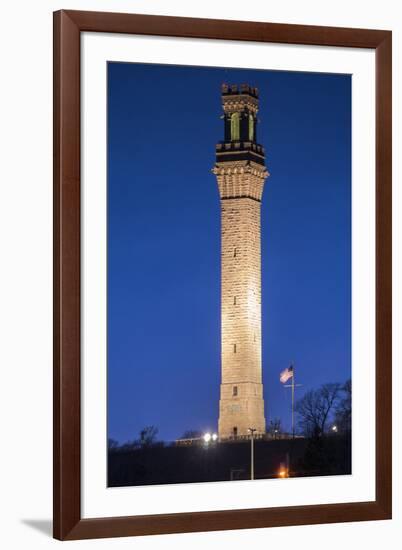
{"points": [[240, 171]]}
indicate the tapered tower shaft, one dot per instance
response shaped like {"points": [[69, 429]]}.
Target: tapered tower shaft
{"points": [[240, 172]]}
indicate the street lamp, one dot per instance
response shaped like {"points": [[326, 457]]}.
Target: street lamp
{"points": [[252, 430], [335, 429], [208, 437]]}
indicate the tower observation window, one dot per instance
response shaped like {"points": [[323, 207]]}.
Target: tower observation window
{"points": [[235, 126]]}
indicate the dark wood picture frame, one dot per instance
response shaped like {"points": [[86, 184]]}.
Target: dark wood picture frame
{"points": [[68, 26]]}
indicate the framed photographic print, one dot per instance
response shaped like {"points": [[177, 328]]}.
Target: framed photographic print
{"points": [[222, 267]]}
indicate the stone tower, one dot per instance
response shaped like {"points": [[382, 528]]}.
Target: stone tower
{"points": [[241, 172]]}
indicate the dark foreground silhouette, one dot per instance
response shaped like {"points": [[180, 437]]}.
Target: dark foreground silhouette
{"points": [[223, 461]]}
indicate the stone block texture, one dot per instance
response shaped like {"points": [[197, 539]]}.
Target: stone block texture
{"points": [[241, 403]]}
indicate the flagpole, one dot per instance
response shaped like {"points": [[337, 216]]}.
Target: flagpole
{"points": [[293, 403], [288, 373]]}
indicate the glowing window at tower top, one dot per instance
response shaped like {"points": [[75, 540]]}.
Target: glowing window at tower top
{"points": [[235, 126]]}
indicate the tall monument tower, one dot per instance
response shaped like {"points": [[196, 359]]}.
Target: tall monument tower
{"points": [[241, 172]]}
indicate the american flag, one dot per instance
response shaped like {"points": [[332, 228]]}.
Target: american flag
{"points": [[286, 374]]}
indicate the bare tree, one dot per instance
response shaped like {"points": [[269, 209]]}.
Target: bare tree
{"points": [[275, 427], [343, 413], [148, 436], [315, 408]]}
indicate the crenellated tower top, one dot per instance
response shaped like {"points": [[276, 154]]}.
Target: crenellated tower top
{"points": [[239, 153]]}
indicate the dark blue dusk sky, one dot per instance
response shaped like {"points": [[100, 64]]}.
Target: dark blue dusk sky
{"points": [[164, 241]]}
